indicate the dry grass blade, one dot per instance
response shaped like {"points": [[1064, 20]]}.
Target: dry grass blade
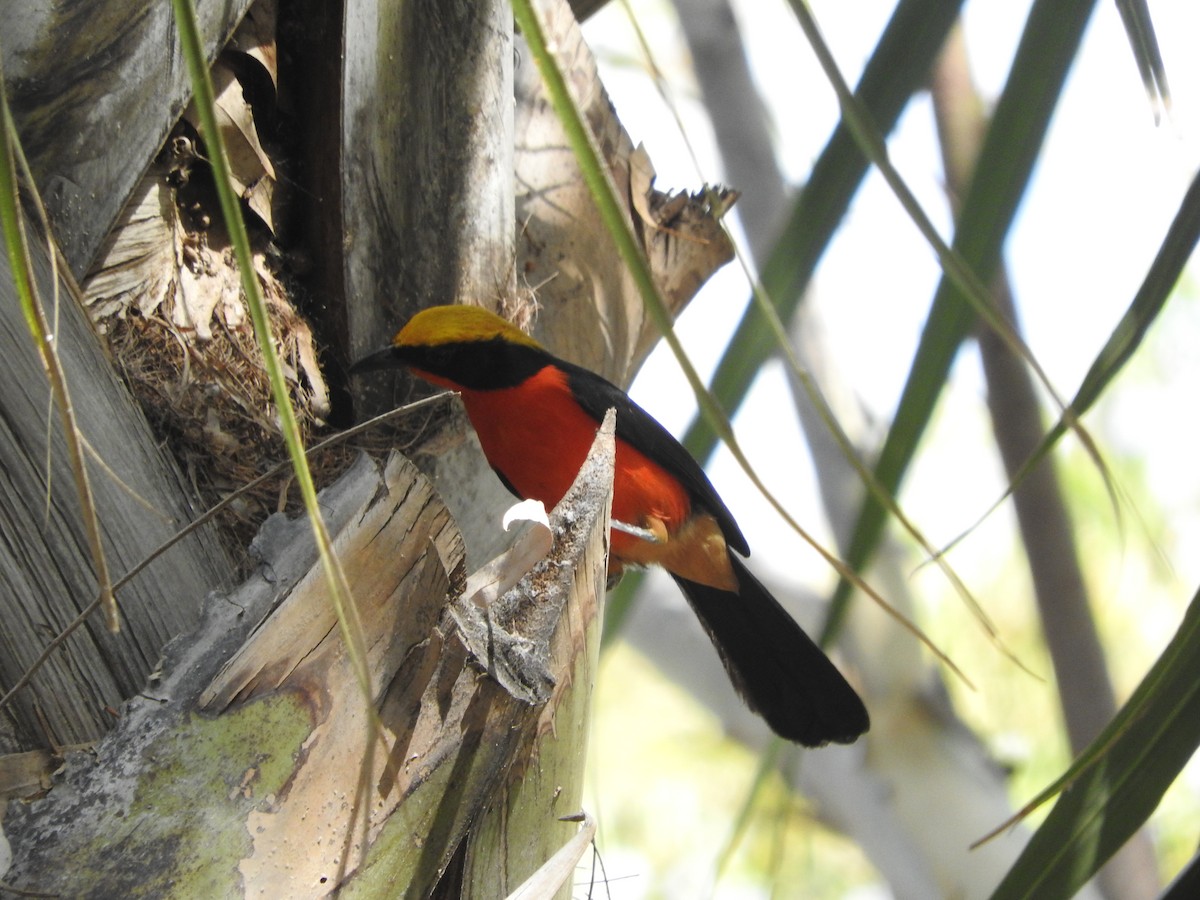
{"points": [[12, 224]]}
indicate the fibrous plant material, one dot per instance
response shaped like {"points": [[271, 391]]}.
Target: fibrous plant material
{"points": [[166, 295]]}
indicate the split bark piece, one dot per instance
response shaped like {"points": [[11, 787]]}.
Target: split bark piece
{"points": [[230, 777]]}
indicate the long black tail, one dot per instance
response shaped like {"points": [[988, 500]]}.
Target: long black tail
{"points": [[778, 669]]}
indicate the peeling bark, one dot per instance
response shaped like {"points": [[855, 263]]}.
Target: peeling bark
{"points": [[251, 769]]}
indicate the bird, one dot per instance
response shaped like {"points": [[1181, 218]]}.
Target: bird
{"points": [[536, 417]]}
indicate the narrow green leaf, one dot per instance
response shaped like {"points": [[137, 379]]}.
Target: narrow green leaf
{"points": [[1135, 16], [898, 68], [11, 226], [1173, 254], [956, 270], [1048, 46], [1176, 249], [347, 613], [1114, 786]]}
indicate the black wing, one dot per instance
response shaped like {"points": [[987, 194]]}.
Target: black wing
{"points": [[642, 431]]}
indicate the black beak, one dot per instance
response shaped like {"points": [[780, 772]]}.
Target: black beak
{"points": [[388, 358]]}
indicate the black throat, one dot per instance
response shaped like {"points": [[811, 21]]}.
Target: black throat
{"points": [[477, 365]]}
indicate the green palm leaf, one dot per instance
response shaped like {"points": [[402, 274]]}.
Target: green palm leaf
{"points": [[898, 68], [1048, 46], [1114, 786]]}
